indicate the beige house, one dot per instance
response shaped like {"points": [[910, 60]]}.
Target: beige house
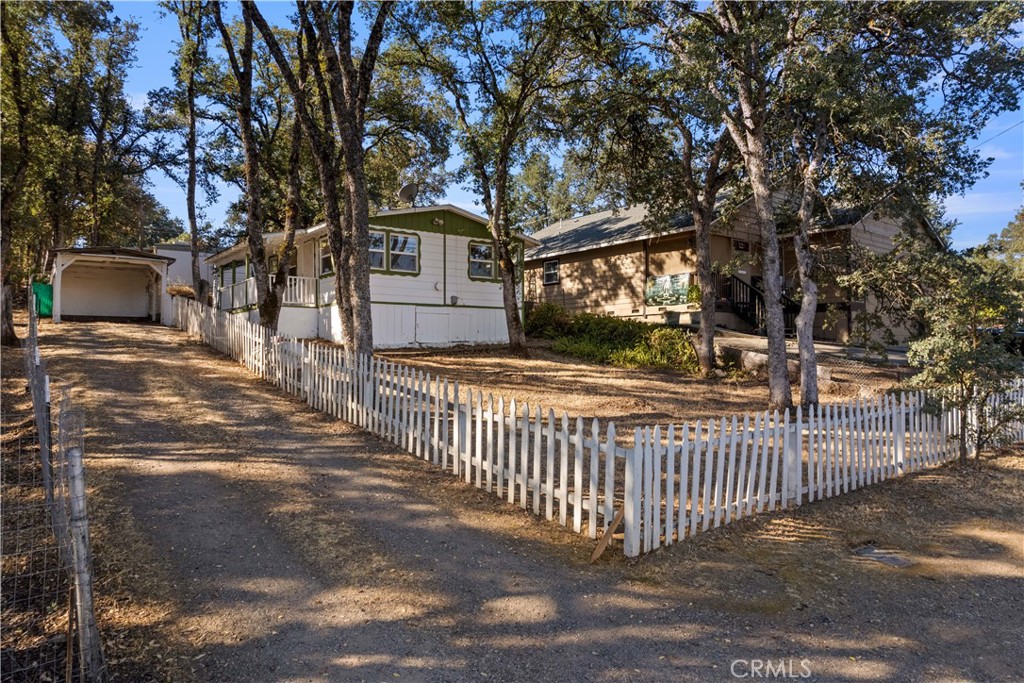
{"points": [[616, 262]]}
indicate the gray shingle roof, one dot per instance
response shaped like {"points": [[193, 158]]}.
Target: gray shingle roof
{"points": [[601, 229]]}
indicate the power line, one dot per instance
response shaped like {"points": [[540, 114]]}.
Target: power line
{"points": [[1005, 130]]}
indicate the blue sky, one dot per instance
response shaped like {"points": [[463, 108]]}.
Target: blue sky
{"points": [[985, 209]]}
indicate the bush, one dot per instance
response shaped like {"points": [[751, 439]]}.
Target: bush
{"points": [[616, 341], [181, 289], [662, 347], [587, 348], [548, 320]]}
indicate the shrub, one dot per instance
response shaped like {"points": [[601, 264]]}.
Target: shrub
{"points": [[662, 347], [587, 348], [616, 341], [181, 289], [615, 332], [547, 320]]}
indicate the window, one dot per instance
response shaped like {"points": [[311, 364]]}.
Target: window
{"points": [[326, 260], [551, 272], [377, 250], [481, 261], [404, 252]]}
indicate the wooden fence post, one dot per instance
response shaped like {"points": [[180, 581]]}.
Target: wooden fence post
{"points": [[90, 651]]}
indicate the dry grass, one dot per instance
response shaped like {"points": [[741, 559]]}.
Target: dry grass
{"points": [[956, 525], [628, 397]]}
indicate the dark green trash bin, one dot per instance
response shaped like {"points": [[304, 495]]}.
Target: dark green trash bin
{"points": [[44, 299]]}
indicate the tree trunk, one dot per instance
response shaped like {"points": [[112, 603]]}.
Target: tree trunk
{"points": [[336, 229], [805, 323], [241, 67], [708, 295], [56, 234], [94, 187], [516, 333], [810, 160], [502, 242], [286, 252], [191, 33], [780, 393], [13, 185], [8, 337], [359, 252]]}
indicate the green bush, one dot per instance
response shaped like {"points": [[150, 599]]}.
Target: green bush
{"points": [[662, 347], [616, 341], [587, 348], [547, 320]]}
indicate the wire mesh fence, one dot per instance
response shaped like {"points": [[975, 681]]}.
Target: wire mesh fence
{"points": [[49, 628]]}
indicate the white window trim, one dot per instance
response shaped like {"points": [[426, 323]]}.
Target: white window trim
{"points": [[391, 253], [325, 250], [557, 273], [492, 261], [383, 252]]}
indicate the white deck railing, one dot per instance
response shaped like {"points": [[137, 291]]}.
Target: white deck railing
{"points": [[298, 291]]}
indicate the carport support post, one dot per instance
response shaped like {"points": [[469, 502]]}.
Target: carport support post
{"points": [[631, 504], [58, 269]]}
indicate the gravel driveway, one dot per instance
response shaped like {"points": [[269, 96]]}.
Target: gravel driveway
{"points": [[300, 549]]}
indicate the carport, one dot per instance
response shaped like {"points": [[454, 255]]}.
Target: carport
{"points": [[108, 283]]}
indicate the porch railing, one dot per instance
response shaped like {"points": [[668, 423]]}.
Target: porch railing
{"points": [[298, 291]]}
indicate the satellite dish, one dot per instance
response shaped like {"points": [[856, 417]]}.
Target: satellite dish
{"points": [[408, 194]]}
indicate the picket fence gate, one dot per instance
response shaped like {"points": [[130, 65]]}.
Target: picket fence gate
{"points": [[672, 483]]}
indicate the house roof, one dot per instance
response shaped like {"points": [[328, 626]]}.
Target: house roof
{"points": [[272, 238], [603, 229], [116, 251], [623, 226]]}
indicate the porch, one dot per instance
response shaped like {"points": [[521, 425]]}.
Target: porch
{"points": [[298, 291]]}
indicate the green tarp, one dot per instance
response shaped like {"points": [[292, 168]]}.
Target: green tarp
{"points": [[44, 298]]}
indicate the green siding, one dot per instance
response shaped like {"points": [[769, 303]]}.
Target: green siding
{"points": [[453, 223]]}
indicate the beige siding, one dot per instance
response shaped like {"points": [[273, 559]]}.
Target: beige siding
{"points": [[613, 279], [875, 233], [606, 280]]}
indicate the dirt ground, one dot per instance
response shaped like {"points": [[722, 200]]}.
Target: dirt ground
{"points": [[628, 397], [275, 544]]}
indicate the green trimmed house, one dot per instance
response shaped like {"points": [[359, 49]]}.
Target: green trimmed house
{"points": [[433, 281]]}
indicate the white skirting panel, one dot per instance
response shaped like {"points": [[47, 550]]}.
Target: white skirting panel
{"points": [[397, 326], [293, 321], [298, 321]]}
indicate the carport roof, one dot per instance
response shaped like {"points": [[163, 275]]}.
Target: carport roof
{"points": [[116, 251]]}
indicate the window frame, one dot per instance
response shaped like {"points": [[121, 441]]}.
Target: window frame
{"points": [[383, 252], [557, 272], [419, 252], [493, 261], [325, 250]]}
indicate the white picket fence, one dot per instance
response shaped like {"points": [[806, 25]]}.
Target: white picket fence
{"points": [[671, 483]]}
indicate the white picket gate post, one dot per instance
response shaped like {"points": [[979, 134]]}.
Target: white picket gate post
{"points": [[633, 494]]}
